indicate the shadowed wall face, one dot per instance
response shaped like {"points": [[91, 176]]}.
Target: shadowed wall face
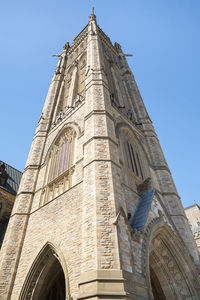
{"points": [[53, 287]]}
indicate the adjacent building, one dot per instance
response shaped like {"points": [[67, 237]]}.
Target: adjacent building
{"points": [[193, 215], [9, 184]]}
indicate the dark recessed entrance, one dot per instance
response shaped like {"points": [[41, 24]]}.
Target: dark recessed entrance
{"points": [[156, 287], [53, 285]]}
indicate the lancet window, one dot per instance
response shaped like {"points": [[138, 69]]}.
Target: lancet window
{"points": [[61, 158], [114, 87], [134, 160], [60, 168], [81, 75], [75, 82]]}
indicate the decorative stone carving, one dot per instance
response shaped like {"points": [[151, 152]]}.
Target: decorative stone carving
{"points": [[77, 100], [66, 46], [118, 47], [146, 185], [137, 235], [127, 113], [168, 260]]}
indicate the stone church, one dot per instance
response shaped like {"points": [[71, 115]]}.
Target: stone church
{"points": [[97, 215]]}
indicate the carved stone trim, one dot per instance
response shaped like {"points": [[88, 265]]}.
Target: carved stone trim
{"points": [[76, 101], [145, 186], [158, 227]]}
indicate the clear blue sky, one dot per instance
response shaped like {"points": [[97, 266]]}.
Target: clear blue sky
{"points": [[163, 36]]}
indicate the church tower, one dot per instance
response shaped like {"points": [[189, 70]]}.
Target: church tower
{"points": [[97, 215]]}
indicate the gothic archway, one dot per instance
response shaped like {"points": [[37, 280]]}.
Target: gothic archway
{"points": [[171, 274], [51, 284], [46, 279], [156, 287]]}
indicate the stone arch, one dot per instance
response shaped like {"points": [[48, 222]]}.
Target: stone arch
{"points": [[48, 267], [59, 163], [72, 126], [169, 270], [131, 137], [122, 125]]}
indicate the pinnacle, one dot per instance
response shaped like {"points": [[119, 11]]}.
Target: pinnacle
{"points": [[92, 16]]}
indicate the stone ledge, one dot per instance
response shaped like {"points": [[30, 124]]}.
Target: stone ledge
{"points": [[99, 283], [111, 284], [101, 275]]}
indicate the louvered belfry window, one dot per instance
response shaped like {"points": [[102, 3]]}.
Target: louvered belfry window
{"points": [[61, 158], [134, 161]]}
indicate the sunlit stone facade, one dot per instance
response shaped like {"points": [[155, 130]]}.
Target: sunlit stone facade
{"points": [[97, 213]]}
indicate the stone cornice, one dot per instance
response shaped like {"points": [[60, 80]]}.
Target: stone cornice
{"points": [[98, 112], [82, 35], [102, 160], [107, 40], [159, 168], [102, 137]]}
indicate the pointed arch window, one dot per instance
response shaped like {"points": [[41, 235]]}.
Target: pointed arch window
{"points": [[60, 167], [134, 160], [61, 157]]}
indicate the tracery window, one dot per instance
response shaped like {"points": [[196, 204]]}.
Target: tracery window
{"points": [[134, 162], [58, 178], [61, 157]]}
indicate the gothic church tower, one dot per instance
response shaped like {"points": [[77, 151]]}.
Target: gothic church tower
{"points": [[97, 215]]}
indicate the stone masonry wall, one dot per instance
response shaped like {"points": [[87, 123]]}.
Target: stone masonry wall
{"points": [[58, 222]]}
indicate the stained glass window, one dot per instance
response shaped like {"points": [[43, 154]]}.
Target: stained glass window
{"points": [[61, 156]]}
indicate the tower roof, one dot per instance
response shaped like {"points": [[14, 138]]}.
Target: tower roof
{"points": [[83, 33]]}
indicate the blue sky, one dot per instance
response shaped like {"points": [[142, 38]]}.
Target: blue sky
{"points": [[163, 37]]}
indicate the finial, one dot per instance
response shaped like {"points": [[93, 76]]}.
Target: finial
{"points": [[92, 17]]}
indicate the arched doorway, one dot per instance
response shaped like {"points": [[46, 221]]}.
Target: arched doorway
{"points": [[161, 285], [46, 278], [156, 287], [53, 285], [170, 271]]}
